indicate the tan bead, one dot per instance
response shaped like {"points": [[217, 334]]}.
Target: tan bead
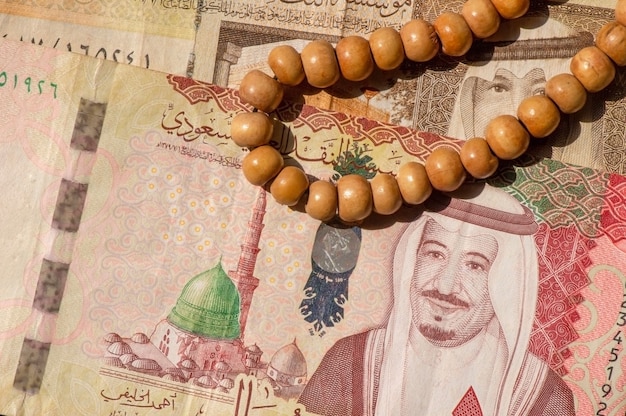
{"points": [[539, 115], [482, 17], [419, 40], [611, 40], [289, 185], [251, 129], [262, 164], [261, 91], [620, 12], [320, 64], [506, 137], [566, 92], [477, 158], [511, 9], [445, 170], [385, 194], [592, 68], [322, 201], [413, 182], [454, 33], [286, 64], [387, 49], [355, 58], [354, 198]]}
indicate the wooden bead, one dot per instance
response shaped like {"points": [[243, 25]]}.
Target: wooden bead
{"points": [[454, 34], [355, 58], [593, 68], [511, 9], [387, 49], [539, 115], [566, 92], [620, 12], [419, 40], [445, 170], [320, 64], [262, 164], [477, 158], [611, 40], [261, 91], [286, 64], [386, 195], [482, 17], [354, 198], [251, 129], [322, 201], [413, 182], [289, 185], [506, 137]]}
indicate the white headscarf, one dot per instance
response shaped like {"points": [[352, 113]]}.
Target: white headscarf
{"points": [[513, 282]]}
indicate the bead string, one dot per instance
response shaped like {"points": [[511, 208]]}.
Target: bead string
{"points": [[506, 137]]}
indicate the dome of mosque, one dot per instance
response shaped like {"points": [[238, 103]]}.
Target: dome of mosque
{"points": [[128, 358], [289, 360], [205, 381], [208, 306], [113, 362], [112, 337], [140, 338], [119, 348]]}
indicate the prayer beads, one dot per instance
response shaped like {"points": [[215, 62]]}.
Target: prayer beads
{"points": [[354, 58]]}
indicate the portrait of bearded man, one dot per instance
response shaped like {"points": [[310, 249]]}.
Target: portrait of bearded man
{"points": [[465, 287]]}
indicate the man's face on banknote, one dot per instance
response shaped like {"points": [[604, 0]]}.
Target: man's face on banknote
{"points": [[503, 94], [449, 290]]}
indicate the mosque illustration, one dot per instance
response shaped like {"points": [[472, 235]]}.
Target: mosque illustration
{"points": [[201, 341]]}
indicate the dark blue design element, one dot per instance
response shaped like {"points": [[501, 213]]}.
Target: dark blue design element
{"points": [[333, 258]]}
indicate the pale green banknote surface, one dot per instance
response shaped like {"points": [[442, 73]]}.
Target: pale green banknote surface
{"points": [[220, 41], [143, 275]]}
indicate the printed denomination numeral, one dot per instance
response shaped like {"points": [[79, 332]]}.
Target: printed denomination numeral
{"points": [[618, 337], [296, 412]]}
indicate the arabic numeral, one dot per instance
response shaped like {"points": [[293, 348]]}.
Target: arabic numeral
{"points": [[614, 355], [618, 337], [606, 390], [53, 85], [610, 370], [296, 412], [601, 410], [27, 82], [39, 85]]}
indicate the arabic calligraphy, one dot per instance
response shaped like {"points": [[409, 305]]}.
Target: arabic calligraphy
{"points": [[181, 126], [386, 8], [139, 398]]}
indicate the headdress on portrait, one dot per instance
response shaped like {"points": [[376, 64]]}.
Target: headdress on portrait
{"points": [[520, 47]]}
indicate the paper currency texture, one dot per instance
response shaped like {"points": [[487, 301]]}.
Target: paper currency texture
{"points": [[144, 275]]}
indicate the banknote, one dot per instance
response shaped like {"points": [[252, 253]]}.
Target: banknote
{"points": [[145, 276], [220, 41]]}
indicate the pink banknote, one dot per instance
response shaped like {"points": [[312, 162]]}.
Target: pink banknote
{"points": [[156, 280]]}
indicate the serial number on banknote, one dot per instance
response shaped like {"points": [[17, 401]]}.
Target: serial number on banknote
{"points": [[614, 357], [29, 84]]}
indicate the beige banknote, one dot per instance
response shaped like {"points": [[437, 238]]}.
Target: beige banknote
{"points": [[220, 41], [145, 276]]}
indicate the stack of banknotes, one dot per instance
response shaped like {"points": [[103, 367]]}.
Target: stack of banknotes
{"points": [[143, 275]]}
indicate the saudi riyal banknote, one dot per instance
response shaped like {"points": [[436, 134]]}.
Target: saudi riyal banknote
{"points": [[220, 41], [144, 276]]}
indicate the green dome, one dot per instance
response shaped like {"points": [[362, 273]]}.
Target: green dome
{"points": [[208, 306]]}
